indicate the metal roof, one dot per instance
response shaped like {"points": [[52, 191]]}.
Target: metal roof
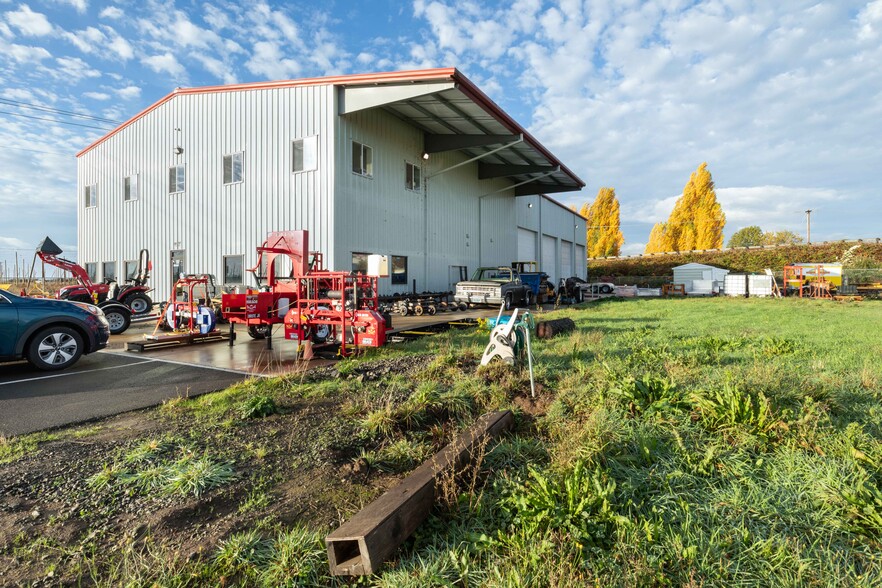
{"points": [[453, 113]]}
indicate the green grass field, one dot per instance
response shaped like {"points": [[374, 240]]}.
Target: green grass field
{"points": [[719, 442]]}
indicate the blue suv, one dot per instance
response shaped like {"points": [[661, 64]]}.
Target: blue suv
{"points": [[50, 334]]}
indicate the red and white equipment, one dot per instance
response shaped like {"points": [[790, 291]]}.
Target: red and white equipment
{"points": [[314, 304]]}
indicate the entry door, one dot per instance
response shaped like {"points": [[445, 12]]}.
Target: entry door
{"points": [[178, 256]]}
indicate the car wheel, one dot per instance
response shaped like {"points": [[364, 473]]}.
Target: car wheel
{"points": [[606, 289], [258, 331], [139, 303], [119, 320], [508, 302], [55, 348], [529, 298]]}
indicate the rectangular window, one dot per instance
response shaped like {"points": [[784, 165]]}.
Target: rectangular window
{"points": [[359, 262], [399, 269], [413, 179], [131, 269], [131, 189], [362, 159], [233, 168], [90, 196], [177, 176], [233, 266], [108, 270], [304, 154], [92, 271]]}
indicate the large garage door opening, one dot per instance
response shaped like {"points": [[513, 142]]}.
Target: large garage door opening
{"points": [[526, 245], [549, 257]]}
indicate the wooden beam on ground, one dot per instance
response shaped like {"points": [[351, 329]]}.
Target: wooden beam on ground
{"points": [[548, 329], [361, 545]]}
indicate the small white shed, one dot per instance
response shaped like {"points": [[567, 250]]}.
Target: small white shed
{"points": [[708, 276]]}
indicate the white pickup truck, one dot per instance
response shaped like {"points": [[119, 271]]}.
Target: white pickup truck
{"points": [[494, 285]]}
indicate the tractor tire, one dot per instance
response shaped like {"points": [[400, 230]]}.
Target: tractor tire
{"points": [[119, 320], [139, 303], [259, 331], [55, 348]]}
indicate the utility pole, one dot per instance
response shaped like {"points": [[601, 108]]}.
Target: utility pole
{"points": [[808, 226]]}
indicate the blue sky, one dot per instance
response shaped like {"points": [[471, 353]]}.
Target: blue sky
{"points": [[782, 99]]}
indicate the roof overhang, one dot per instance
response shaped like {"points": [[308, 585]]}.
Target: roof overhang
{"points": [[451, 111], [456, 116]]}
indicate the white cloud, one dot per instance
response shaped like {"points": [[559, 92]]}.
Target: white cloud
{"points": [[633, 249], [97, 95], [112, 12], [87, 40], [120, 46], [364, 58], [129, 92], [30, 23], [870, 21], [5, 31], [13, 243], [74, 69], [267, 60], [165, 63], [79, 5], [25, 54], [217, 68]]}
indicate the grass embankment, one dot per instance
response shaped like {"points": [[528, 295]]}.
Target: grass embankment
{"points": [[676, 442]]}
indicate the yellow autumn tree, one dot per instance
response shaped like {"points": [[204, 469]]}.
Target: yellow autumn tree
{"points": [[697, 220], [604, 236]]}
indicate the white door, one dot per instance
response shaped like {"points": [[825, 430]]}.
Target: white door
{"points": [[526, 245], [549, 258], [566, 259]]}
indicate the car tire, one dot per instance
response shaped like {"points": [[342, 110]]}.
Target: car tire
{"points": [[119, 320], [509, 304], [139, 303], [606, 289], [528, 298], [55, 348]]}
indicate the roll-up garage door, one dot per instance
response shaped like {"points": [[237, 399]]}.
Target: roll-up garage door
{"points": [[566, 259], [580, 262], [526, 245], [549, 257]]}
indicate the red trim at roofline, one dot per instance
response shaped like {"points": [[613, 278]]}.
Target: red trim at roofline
{"points": [[465, 85]]}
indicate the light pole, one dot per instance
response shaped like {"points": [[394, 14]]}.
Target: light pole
{"points": [[808, 226]]}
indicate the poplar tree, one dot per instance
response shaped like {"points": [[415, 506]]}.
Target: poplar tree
{"points": [[697, 220], [603, 236]]}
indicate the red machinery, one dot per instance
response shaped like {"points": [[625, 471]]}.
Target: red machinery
{"points": [[314, 304], [133, 293]]}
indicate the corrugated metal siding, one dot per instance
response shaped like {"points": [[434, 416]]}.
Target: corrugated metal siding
{"points": [[567, 268], [379, 215], [581, 261], [209, 220], [549, 263], [526, 245]]}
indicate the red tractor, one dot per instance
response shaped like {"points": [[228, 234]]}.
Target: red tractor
{"points": [[119, 302]]}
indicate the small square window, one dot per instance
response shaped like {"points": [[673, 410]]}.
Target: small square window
{"points": [[362, 159], [399, 269], [233, 269], [92, 271], [177, 175], [108, 270], [131, 190], [233, 168], [413, 179], [90, 196], [304, 154], [360, 262]]}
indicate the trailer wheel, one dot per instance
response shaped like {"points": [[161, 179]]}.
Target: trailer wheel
{"points": [[119, 320], [431, 310], [463, 306], [55, 348], [139, 303], [606, 289], [418, 310], [258, 331]]}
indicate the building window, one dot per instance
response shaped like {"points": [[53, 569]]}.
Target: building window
{"points": [[108, 270], [177, 176], [92, 271], [399, 269], [413, 179], [131, 269], [233, 168], [233, 265], [91, 196], [362, 159], [304, 154], [359, 262], [132, 189]]}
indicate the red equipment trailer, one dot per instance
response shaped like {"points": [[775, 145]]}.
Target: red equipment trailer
{"points": [[315, 305]]}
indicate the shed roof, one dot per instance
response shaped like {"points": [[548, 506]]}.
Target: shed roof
{"points": [[696, 266], [452, 111]]}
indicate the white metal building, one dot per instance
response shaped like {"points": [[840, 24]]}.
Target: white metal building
{"points": [[420, 166], [689, 273]]}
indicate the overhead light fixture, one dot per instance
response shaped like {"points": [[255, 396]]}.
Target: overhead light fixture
{"points": [[179, 150], [425, 155], [529, 205]]}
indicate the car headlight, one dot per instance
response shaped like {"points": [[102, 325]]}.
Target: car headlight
{"points": [[89, 308]]}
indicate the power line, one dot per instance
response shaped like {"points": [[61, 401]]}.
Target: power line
{"points": [[58, 111], [37, 151], [61, 122]]}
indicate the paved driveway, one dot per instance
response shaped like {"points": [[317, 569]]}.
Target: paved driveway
{"points": [[100, 384]]}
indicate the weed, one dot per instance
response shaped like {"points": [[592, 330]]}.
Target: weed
{"points": [[244, 552], [648, 394], [148, 450], [728, 408], [298, 558], [380, 422], [258, 407], [773, 346], [189, 476]]}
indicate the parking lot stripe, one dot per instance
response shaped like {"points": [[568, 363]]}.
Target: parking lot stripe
{"points": [[199, 365], [65, 374]]}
